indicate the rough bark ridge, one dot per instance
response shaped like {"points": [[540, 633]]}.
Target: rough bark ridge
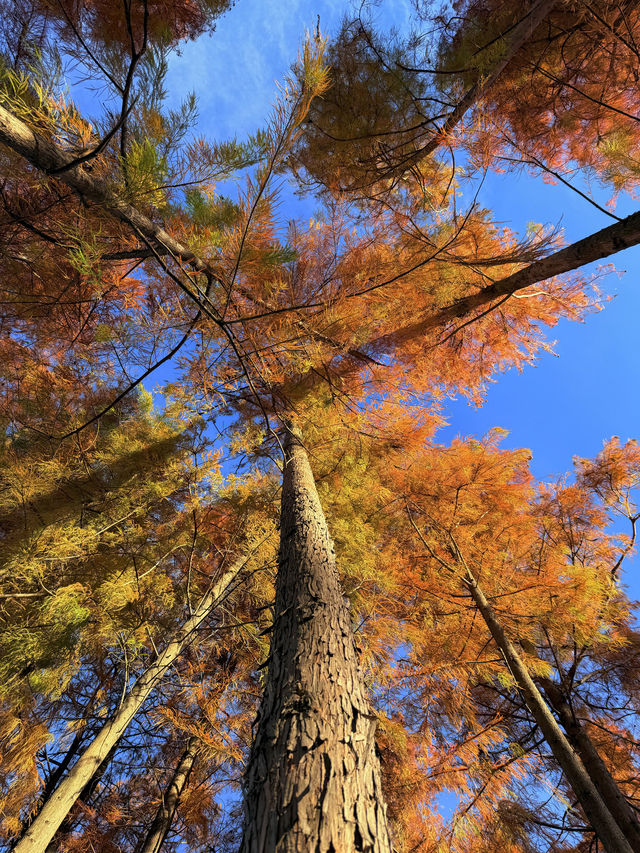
{"points": [[313, 777], [596, 812], [167, 808]]}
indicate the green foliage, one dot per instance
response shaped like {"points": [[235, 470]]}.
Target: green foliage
{"points": [[147, 171], [209, 210]]}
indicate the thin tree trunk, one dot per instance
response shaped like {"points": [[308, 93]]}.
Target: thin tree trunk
{"points": [[601, 819], [55, 810], [313, 777], [624, 814], [85, 795], [167, 808], [46, 156], [601, 244], [520, 34]]}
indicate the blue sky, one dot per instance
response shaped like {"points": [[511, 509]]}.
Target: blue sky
{"points": [[565, 405]]}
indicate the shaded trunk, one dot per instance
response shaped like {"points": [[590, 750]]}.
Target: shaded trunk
{"points": [[46, 156], [313, 778], [601, 244], [624, 814], [167, 808], [55, 810], [520, 34], [598, 815]]}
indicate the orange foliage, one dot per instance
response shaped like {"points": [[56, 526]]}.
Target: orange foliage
{"points": [[570, 95], [106, 21]]}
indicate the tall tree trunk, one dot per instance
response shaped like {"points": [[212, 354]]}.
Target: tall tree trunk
{"points": [[313, 777], [601, 819], [167, 808], [620, 808], [85, 795], [55, 810]]}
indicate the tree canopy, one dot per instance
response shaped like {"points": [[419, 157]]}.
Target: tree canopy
{"points": [[250, 599]]}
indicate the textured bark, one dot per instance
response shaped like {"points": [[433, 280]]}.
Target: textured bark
{"points": [[55, 810], [167, 808], [313, 777], [596, 812], [624, 814]]}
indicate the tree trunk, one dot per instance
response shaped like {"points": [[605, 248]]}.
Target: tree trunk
{"points": [[520, 34], [85, 795], [51, 784], [167, 808], [46, 156], [55, 810], [313, 778], [601, 244], [599, 816], [620, 808]]}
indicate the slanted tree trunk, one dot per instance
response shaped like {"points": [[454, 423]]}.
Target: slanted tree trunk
{"points": [[51, 783], [597, 813], [57, 807], [167, 808], [519, 35], [313, 777], [85, 795], [601, 244], [51, 159], [620, 808]]}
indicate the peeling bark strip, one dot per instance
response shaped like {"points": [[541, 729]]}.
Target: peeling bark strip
{"points": [[167, 808], [598, 815], [55, 810], [312, 783]]}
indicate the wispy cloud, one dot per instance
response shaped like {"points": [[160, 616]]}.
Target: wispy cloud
{"points": [[235, 71]]}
